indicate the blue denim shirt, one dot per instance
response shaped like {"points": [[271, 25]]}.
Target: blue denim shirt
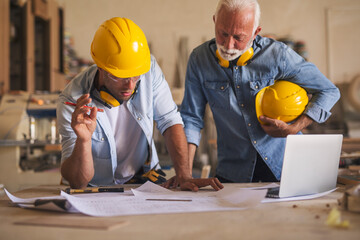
{"points": [[152, 102], [230, 93]]}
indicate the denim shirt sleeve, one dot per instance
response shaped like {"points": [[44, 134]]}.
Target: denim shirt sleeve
{"points": [[164, 108], [324, 93], [65, 130], [194, 102]]}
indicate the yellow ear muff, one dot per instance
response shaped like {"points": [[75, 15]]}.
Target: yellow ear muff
{"points": [[245, 57], [224, 63], [242, 61], [109, 99]]}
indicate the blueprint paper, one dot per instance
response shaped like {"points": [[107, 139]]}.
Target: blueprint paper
{"points": [[150, 198]]}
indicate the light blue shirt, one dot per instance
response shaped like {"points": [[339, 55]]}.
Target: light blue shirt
{"points": [[152, 102], [230, 93]]}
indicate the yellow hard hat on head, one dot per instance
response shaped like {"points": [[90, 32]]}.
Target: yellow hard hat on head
{"points": [[283, 101], [120, 48]]}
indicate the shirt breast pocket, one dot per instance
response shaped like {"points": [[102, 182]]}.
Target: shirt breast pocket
{"points": [[218, 94], [257, 85], [100, 145]]}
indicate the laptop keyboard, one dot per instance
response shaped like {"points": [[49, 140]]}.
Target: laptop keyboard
{"points": [[273, 192]]}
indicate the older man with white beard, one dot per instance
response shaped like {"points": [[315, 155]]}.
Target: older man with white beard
{"points": [[227, 72]]}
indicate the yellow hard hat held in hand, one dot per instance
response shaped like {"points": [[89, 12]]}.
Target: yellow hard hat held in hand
{"points": [[120, 48], [284, 101]]}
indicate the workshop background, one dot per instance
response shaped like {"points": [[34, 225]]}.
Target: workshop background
{"points": [[45, 43]]}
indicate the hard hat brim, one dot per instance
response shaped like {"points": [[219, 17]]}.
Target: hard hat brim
{"points": [[258, 101]]}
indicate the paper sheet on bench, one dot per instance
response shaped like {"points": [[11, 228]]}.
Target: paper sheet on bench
{"points": [[134, 202], [27, 202], [229, 198]]}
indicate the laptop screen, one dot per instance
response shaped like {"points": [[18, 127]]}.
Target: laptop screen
{"points": [[310, 165]]}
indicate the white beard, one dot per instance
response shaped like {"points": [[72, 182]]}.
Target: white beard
{"points": [[231, 54]]}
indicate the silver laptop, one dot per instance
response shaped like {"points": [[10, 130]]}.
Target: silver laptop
{"points": [[310, 165]]}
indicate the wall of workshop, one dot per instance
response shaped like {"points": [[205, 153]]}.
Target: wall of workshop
{"points": [[166, 21]]}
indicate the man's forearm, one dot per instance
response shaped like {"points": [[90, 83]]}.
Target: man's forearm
{"points": [[177, 146], [278, 128], [302, 122], [192, 151], [78, 169]]}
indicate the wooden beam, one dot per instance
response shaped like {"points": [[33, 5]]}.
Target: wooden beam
{"points": [[4, 45]]}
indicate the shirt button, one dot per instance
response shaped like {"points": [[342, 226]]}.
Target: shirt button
{"points": [[266, 158], [256, 86], [254, 142], [236, 67], [102, 139], [139, 118], [242, 105], [237, 86], [249, 124], [222, 87]]}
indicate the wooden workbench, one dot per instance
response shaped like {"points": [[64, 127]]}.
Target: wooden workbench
{"points": [[285, 220]]}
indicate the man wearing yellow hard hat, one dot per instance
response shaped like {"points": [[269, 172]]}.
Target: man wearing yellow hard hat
{"points": [[106, 115], [257, 91]]}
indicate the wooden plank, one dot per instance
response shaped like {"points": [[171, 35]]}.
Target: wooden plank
{"points": [[40, 9], [30, 49], [4, 46], [74, 222]]}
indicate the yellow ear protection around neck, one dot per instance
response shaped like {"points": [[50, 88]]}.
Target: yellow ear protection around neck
{"points": [[242, 61], [109, 100]]}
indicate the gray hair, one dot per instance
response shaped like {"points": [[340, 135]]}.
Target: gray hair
{"points": [[240, 5]]}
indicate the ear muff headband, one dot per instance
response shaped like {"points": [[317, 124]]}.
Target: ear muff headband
{"points": [[242, 61]]}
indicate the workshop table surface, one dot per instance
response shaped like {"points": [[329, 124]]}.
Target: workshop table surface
{"points": [[282, 220]]}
